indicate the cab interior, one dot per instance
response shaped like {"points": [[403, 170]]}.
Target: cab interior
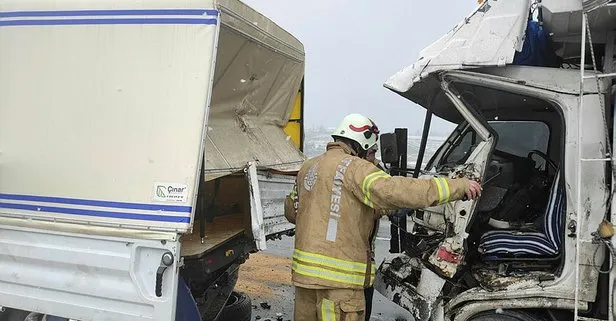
{"points": [[518, 226]]}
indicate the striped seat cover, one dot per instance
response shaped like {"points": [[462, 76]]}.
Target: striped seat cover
{"points": [[496, 244]]}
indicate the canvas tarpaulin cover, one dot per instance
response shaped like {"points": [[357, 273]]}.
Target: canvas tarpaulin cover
{"points": [[259, 69]]}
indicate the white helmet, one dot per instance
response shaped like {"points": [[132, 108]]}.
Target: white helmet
{"points": [[358, 128]]}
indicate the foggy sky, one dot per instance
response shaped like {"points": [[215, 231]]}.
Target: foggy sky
{"points": [[353, 47]]}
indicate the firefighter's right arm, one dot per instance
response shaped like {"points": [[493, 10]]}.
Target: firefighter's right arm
{"points": [[381, 191]]}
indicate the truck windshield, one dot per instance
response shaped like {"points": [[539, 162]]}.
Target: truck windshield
{"points": [[514, 137]]}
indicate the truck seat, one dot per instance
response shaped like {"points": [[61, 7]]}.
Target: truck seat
{"points": [[495, 245]]}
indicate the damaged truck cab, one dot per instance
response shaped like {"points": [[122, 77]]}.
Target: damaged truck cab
{"points": [[537, 133]]}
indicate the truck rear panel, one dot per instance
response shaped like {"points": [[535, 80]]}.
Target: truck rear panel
{"points": [[85, 278]]}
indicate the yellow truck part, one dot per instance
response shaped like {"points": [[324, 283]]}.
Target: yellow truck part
{"points": [[295, 126]]}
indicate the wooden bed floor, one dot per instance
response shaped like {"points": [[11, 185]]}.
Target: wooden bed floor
{"points": [[222, 229]]}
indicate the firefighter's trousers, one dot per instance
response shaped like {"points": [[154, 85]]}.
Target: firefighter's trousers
{"points": [[329, 304]]}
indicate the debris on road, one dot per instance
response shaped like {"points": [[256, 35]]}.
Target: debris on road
{"points": [[264, 275]]}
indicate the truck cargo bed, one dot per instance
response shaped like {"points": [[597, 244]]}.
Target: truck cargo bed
{"points": [[216, 233]]}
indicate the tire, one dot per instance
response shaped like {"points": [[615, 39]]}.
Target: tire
{"points": [[237, 308], [505, 315]]}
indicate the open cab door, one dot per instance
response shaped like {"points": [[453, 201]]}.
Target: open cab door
{"points": [[466, 157]]}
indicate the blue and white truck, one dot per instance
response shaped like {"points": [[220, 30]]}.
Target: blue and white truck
{"points": [[143, 155]]}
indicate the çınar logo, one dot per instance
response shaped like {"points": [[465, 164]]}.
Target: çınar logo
{"points": [[170, 192], [164, 191]]}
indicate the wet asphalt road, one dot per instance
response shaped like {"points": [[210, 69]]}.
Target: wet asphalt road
{"points": [[382, 310]]}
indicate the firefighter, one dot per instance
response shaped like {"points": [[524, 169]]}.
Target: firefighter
{"points": [[336, 199]]}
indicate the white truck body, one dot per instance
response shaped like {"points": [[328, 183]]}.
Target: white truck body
{"points": [[107, 111], [60, 128]]}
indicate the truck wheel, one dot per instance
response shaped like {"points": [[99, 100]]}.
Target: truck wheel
{"points": [[237, 308], [506, 315]]}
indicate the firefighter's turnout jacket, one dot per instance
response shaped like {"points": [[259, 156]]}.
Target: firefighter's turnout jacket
{"points": [[334, 204]]}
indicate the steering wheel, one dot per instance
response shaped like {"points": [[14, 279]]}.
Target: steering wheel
{"points": [[544, 156]]}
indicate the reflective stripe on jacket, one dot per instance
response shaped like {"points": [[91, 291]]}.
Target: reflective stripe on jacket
{"points": [[334, 204]]}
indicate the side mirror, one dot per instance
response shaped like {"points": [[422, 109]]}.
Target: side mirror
{"points": [[389, 148]]}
